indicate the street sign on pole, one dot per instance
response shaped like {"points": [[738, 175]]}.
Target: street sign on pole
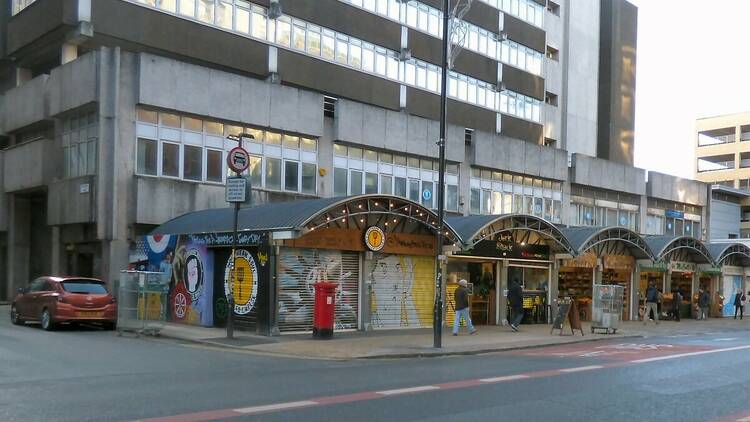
{"points": [[236, 188], [238, 159]]}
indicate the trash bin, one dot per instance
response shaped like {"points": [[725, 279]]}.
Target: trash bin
{"points": [[325, 305]]}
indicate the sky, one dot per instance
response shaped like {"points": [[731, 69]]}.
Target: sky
{"points": [[692, 62]]}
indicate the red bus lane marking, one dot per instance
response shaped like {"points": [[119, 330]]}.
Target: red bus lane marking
{"points": [[656, 353], [613, 352]]}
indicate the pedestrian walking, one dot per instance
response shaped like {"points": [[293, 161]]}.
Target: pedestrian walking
{"points": [[703, 302], [676, 304], [515, 301], [739, 303], [652, 299], [462, 308]]}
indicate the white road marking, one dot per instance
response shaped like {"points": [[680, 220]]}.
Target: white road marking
{"points": [[745, 419], [408, 390], [682, 355], [277, 406], [505, 378], [726, 339], [581, 368]]}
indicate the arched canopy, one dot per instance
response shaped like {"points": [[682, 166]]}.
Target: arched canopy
{"points": [[395, 214], [608, 241], [737, 254], [526, 229], [681, 248]]}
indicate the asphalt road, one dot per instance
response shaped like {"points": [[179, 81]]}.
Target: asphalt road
{"points": [[92, 375]]}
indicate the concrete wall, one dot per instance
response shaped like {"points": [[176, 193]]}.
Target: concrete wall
{"points": [[672, 188], [580, 77], [596, 172], [176, 85], [725, 219], [66, 87], [29, 165], [68, 203], [395, 131], [3, 202], [508, 154]]}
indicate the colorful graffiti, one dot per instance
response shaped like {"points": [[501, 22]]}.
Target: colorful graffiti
{"points": [[403, 290], [732, 284], [188, 266], [299, 270]]}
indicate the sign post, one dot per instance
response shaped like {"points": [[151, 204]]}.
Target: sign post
{"points": [[238, 161]]}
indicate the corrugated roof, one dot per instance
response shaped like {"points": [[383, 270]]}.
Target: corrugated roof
{"points": [[659, 244], [268, 217], [577, 236], [467, 227]]}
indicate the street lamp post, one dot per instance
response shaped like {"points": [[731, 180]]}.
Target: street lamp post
{"points": [[233, 274], [438, 311]]}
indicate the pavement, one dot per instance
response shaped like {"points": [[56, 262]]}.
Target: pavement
{"points": [[419, 343]]}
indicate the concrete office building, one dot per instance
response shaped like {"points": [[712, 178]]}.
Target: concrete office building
{"points": [[114, 116], [723, 158]]}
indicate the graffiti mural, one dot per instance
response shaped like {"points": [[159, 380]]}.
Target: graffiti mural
{"points": [[402, 290], [299, 270], [187, 265]]}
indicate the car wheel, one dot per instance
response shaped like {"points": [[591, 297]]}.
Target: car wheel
{"points": [[14, 318], [47, 324]]}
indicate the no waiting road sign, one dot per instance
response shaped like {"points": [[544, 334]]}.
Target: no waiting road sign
{"points": [[238, 159], [236, 188]]}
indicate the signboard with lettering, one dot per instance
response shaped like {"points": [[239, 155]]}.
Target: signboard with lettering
{"points": [[618, 262], [236, 188], [674, 214], [503, 246], [352, 240], [684, 267]]}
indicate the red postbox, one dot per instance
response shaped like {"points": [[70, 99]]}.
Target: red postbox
{"points": [[325, 305]]}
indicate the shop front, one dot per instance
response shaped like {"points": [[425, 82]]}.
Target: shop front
{"points": [[379, 250], [499, 250], [649, 272], [732, 261], [682, 257], [607, 255]]}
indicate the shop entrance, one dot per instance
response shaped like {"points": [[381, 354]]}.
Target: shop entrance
{"points": [[481, 275], [576, 280], [534, 280], [682, 282], [649, 277]]}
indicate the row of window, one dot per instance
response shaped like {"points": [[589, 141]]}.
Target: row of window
{"points": [[187, 148], [320, 42], [486, 201], [357, 171], [661, 225], [589, 215], [18, 5], [430, 20], [507, 179], [80, 134]]}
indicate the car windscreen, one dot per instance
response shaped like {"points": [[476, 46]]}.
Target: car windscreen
{"points": [[84, 287]]}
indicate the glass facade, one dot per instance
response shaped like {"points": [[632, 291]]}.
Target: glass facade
{"points": [[18, 5], [80, 135], [582, 214], [504, 193]]}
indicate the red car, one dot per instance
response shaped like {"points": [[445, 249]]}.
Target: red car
{"points": [[56, 300]]}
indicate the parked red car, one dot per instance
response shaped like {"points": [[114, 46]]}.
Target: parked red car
{"points": [[56, 300]]}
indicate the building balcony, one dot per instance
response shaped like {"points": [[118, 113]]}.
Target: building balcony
{"points": [[28, 165]]}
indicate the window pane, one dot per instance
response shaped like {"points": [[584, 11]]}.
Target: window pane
{"points": [[214, 165], [170, 160], [283, 32], [147, 116], [196, 125], [476, 202], [291, 176], [291, 142], [497, 203], [147, 157], [193, 163], [342, 51], [451, 194], [298, 41], [308, 178], [414, 190], [309, 144], [339, 181], [328, 47], [243, 21], [214, 128], [313, 43], [255, 169], [224, 15], [259, 25], [273, 173], [356, 185], [371, 155], [187, 7], [339, 150], [170, 120], [273, 138], [206, 10], [427, 187], [371, 183], [386, 184], [399, 187]]}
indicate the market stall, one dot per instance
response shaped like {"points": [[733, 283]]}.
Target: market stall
{"points": [[733, 260]]}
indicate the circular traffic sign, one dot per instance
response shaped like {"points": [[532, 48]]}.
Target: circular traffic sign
{"points": [[238, 159]]}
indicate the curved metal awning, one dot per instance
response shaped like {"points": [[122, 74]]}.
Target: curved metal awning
{"points": [[393, 213], [737, 254], [525, 229], [681, 248], [608, 241]]}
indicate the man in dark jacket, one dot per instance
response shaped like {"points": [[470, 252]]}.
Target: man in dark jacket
{"points": [[652, 299], [703, 302], [462, 308], [676, 304], [739, 303], [515, 301]]}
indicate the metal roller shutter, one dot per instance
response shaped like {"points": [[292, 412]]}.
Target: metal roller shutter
{"points": [[299, 270], [402, 290]]}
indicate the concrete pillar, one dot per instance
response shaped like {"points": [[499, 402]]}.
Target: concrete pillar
{"points": [[56, 251], [502, 282], [19, 234], [642, 214], [68, 53], [23, 75], [365, 301], [554, 287]]}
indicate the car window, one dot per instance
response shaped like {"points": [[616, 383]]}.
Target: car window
{"points": [[48, 287], [84, 287], [36, 285]]}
